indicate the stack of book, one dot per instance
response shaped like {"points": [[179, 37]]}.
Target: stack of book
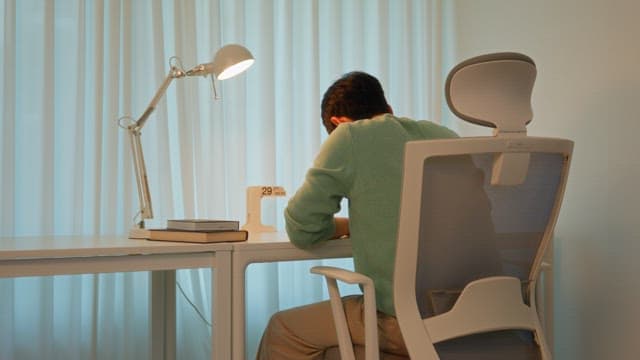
{"points": [[194, 230]]}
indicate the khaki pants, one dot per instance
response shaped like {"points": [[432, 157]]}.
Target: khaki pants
{"points": [[307, 332]]}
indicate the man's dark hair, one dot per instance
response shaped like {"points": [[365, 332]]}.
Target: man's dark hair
{"points": [[356, 95]]}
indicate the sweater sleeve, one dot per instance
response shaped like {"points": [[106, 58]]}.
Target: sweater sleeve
{"points": [[309, 213]]}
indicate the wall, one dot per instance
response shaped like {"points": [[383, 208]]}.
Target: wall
{"points": [[588, 90]]}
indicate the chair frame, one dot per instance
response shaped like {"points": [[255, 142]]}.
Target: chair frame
{"points": [[484, 305]]}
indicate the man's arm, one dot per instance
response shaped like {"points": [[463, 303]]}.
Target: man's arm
{"points": [[309, 215]]}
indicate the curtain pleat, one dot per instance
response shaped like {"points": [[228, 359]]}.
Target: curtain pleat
{"points": [[71, 69], [7, 106]]}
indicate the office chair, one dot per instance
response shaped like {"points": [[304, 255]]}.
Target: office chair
{"points": [[476, 217]]}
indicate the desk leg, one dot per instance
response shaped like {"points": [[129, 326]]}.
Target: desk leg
{"points": [[163, 314], [238, 307], [220, 315]]}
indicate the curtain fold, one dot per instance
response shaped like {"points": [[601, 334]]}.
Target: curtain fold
{"points": [[71, 69]]}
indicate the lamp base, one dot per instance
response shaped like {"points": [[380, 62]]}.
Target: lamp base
{"points": [[137, 233]]}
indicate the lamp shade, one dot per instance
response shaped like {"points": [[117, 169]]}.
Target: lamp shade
{"points": [[231, 60]]}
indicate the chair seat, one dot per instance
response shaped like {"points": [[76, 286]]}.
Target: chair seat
{"points": [[334, 354], [503, 345]]}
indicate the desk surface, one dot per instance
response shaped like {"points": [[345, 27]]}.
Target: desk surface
{"points": [[279, 240], [83, 246], [78, 246]]}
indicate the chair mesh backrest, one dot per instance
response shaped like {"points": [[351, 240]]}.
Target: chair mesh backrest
{"points": [[470, 229]]}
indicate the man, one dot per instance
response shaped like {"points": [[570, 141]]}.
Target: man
{"points": [[361, 160]]}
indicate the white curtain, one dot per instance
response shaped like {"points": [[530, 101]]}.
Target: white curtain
{"points": [[71, 68]]}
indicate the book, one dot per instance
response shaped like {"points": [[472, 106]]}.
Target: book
{"points": [[195, 236], [203, 225]]}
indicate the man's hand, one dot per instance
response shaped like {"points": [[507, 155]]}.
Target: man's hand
{"points": [[342, 227]]}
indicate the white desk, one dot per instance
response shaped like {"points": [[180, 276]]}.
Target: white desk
{"points": [[268, 247], [41, 256]]}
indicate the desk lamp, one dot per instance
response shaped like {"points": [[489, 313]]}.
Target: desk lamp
{"points": [[229, 61]]}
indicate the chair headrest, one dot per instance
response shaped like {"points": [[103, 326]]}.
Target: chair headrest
{"points": [[493, 90]]}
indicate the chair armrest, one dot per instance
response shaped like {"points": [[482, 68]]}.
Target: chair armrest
{"points": [[348, 276], [544, 300], [332, 274]]}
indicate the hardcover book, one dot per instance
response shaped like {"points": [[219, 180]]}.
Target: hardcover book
{"points": [[203, 225], [196, 236]]}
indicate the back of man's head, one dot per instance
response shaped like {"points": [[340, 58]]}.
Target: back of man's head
{"points": [[356, 95]]}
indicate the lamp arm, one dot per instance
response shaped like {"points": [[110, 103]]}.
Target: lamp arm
{"points": [[174, 73], [144, 195]]}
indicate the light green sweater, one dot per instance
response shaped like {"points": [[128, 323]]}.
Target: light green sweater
{"points": [[360, 161]]}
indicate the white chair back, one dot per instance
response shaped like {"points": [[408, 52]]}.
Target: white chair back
{"points": [[476, 217]]}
